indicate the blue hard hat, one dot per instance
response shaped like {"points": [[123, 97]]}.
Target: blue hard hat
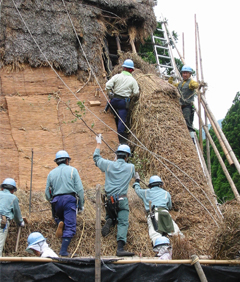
{"points": [[186, 68], [62, 155], [123, 149], [128, 64], [9, 183], [34, 238], [154, 180], [161, 241]]}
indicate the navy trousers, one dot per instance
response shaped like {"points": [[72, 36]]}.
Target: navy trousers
{"points": [[119, 106], [65, 210]]}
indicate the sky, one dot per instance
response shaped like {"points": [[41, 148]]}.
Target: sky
{"points": [[218, 23]]}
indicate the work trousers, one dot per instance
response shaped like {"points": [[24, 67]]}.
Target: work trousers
{"points": [[3, 237], [188, 113], [122, 217], [154, 234], [65, 210], [119, 106]]}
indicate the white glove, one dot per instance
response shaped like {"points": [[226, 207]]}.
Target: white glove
{"points": [[137, 177], [99, 138], [81, 210], [22, 224]]}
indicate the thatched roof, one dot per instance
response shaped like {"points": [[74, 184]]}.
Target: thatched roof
{"points": [[50, 26]]}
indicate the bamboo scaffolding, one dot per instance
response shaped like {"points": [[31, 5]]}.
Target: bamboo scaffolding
{"points": [[124, 261], [204, 92], [199, 93], [230, 181], [197, 265], [223, 138]]}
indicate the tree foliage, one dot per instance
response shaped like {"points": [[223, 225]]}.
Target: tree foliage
{"points": [[231, 129]]}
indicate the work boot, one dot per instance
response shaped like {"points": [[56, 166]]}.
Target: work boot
{"points": [[120, 250], [65, 243], [59, 231], [106, 227]]}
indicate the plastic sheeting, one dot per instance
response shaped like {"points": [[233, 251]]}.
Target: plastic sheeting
{"points": [[84, 270]]}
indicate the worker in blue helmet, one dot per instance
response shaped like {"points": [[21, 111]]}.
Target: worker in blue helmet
{"points": [[159, 220], [38, 246], [64, 190], [122, 86], [9, 209], [117, 178], [187, 89]]}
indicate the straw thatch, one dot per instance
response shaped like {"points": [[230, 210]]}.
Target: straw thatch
{"points": [[51, 28], [225, 243]]}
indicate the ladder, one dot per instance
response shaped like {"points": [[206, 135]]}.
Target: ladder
{"points": [[163, 52]]}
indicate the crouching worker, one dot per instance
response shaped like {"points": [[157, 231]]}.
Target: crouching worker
{"points": [[65, 192], [162, 248], [38, 246], [159, 219], [9, 209], [117, 177]]}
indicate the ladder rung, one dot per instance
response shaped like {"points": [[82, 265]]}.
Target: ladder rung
{"points": [[162, 56], [159, 29], [161, 47], [161, 38], [165, 66]]}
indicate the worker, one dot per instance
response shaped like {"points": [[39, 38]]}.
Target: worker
{"points": [[120, 88], [38, 246], [9, 209], [187, 89], [64, 190], [160, 222], [117, 177]]}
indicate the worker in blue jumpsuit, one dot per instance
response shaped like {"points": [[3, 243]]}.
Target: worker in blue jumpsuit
{"points": [[64, 190], [122, 86], [117, 178], [9, 209]]}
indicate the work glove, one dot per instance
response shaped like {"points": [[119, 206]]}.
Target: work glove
{"points": [[99, 138], [81, 210], [137, 177], [22, 224]]}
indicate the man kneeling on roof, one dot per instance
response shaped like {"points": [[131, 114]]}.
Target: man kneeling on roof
{"points": [[38, 246], [157, 203]]}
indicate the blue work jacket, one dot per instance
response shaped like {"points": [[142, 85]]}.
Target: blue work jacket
{"points": [[118, 174]]}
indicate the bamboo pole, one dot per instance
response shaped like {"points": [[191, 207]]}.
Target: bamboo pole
{"points": [[230, 161], [205, 115], [133, 46], [118, 43], [223, 137], [183, 45], [126, 261], [30, 196], [230, 181], [98, 235], [198, 92], [197, 265]]}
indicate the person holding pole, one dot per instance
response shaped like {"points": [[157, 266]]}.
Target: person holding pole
{"points": [[9, 209], [64, 190], [118, 175], [187, 89], [157, 203]]}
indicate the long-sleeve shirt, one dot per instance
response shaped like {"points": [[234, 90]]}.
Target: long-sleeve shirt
{"points": [[123, 84], [158, 196], [118, 174], [64, 179], [9, 206]]}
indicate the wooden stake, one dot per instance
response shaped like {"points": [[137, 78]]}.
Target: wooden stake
{"points": [[183, 45], [197, 265], [133, 46], [98, 235], [18, 238], [118, 43]]}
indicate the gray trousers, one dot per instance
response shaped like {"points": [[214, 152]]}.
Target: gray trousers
{"points": [[188, 113], [3, 237]]}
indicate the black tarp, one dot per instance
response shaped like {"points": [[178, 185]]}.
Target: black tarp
{"points": [[84, 270]]}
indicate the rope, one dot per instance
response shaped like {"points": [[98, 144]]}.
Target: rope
{"points": [[142, 145], [79, 239]]}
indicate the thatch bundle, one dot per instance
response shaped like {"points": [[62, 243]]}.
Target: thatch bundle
{"points": [[225, 243]]}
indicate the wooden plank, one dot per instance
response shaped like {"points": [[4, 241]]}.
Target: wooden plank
{"points": [[94, 103]]}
